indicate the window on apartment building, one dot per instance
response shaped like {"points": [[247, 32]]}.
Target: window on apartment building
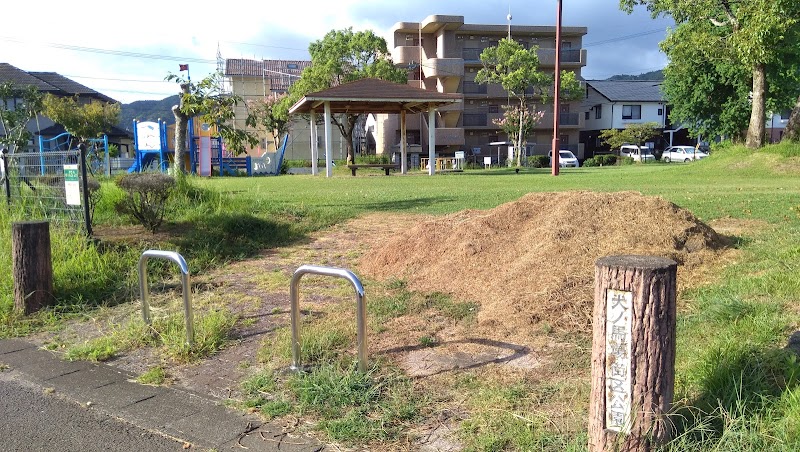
{"points": [[631, 112], [494, 109], [586, 116], [566, 44], [563, 140], [660, 111], [291, 66], [598, 111], [785, 114]]}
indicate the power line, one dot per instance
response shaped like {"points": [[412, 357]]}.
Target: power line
{"points": [[625, 38]]}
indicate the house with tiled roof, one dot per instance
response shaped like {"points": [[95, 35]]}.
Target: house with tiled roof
{"points": [[614, 104], [57, 85]]}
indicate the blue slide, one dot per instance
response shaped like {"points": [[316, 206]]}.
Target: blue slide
{"points": [[147, 158]]}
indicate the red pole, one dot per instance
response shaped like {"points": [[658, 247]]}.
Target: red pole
{"points": [[556, 100]]}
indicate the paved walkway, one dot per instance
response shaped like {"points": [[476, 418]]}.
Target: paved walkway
{"points": [[176, 413]]}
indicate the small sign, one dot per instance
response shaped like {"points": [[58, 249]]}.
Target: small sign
{"points": [[487, 160], [72, 186], [476, 151], [618, 360], [460, 155]]}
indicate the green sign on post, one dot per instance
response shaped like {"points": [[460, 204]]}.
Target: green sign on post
{"points": [[72, 186]]}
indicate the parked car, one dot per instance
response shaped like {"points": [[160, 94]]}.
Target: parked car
{"points": [[682, 154], [637, 153], [566, 158]]}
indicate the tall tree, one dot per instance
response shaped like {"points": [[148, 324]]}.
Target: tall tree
{"points": [[344, 56], [516, 69], [82, 120], [270, 113], [18, 106], [748, 33], [208, 102]]}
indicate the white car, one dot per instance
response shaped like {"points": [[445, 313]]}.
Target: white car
{"points": [[682, 154], [637, 153], [566, 158]]}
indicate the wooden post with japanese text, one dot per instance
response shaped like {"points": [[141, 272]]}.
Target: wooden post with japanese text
{"points": [[633, 353]]}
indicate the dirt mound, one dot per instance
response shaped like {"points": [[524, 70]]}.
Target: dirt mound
{"points": [[532, 260]]}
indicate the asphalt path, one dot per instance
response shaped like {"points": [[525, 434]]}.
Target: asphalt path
{"points": [[35, 418]]}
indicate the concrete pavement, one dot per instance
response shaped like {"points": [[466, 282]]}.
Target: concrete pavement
{"points": [[175, 413]]}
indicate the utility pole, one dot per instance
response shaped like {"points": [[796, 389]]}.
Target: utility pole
{"points": [[556, 101]]}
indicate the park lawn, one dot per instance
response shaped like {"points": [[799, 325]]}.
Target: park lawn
{"points": [[736, 384]]}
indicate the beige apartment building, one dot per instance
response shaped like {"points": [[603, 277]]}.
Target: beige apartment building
{"points": [[442, 53], [255, 79]]}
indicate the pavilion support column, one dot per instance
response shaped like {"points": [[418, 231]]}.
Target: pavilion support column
{"points": [[328, 141], [314, 147], [431, 140], [403, 143]]}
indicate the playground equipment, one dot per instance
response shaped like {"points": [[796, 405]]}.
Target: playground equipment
{"points": [[205, 151], [97, 156], [149, 143]]}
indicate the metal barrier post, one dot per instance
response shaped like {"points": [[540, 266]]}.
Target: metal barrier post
{"points": [[6, 182], [87, 215], [144, 290], [361, 310]]}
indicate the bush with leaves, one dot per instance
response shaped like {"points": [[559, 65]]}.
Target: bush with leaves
{"points": [[146, 197], [539, 161], [590, 162]]}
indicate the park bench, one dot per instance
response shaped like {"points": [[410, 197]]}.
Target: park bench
{"points": [[386, 167]]}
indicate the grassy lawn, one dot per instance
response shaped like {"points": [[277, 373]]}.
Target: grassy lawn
{"points": [[736, 383]]}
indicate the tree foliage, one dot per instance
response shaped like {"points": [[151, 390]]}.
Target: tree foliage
{"points": [[516, 69], [344, 56], [18, 106], [518, 122], [209, 103], [270, 113], [82, 120], [752, 43], [634, 133]]}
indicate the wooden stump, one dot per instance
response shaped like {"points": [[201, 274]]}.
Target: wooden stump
{"points": [[633, 353], [31, 265]]}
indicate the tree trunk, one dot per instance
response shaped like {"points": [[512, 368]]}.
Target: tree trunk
{"points": [[792, 132], [519, 135], [181, 126], [32, 265], [633, 353], [755, 133]]}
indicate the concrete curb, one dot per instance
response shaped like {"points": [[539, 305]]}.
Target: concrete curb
{"points": [[175, 413]]}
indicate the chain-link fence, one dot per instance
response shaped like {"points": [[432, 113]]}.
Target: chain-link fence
{"points": [[49, 186]]}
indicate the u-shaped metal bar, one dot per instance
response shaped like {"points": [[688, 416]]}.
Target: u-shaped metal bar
{"points": [[144, 289], [361, 310]]}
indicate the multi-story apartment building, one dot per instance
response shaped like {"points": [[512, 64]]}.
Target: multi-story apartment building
{"points": [[442, 53], [255, 79]]}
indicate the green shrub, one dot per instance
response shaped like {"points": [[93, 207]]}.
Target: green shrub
{"points": [[539, 161], [626, 161], [606, 160], [590, 162], [145, 197]]}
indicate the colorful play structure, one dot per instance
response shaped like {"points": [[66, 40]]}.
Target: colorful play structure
{"points": [[99, 160], [204, 152]]}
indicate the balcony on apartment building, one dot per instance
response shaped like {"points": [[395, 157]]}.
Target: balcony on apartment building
{"points": [[486, 120], [405, 55], [443, 67], [547, 57]]}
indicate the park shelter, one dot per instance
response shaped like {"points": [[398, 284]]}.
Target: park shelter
{"points": [[372, 96]]}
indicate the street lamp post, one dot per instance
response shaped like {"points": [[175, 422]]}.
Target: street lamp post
{"points": [[557, 88]]}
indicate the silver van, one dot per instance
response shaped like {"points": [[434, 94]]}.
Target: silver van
{"points": [[637, 153]]}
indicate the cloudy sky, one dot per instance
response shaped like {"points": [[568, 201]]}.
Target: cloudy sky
{"points": [[126, 49]]}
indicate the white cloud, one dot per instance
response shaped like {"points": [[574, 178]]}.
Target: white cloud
{"points": [[94, 43]]}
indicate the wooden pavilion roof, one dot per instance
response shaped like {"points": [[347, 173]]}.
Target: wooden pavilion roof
{"points": [[371, 95]]}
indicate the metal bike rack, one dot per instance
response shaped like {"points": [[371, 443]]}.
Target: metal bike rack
{"points": [[361, 310], [145, 290]]}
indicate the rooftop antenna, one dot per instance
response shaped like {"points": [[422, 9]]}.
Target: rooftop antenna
{"points": [[509, 21]]}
